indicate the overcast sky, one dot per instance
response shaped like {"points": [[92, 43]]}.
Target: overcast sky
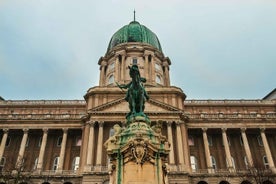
{"points": [[220, 49]]}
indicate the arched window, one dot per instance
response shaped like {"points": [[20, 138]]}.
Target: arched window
{"points": [[59, 141], [213, 162], [35, 164], [76, 163], [233, 162], [260, 141], [158, 79], [111, 79], [55, 163], [2, 163], [193, 163], [111, 66], [265, 162]]}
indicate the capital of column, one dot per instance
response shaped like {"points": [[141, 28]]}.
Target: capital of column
{"points": [[243, 130], [65, 130], [91, 123], [101, 123], [223, 130], [169, 123], [25, 130], [5, 130], [204, 129], [45, 130], [262, 130]]}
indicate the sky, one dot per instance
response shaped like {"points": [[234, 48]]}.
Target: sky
{"points": [[219, 49]]}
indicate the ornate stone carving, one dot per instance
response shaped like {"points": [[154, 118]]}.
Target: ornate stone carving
{"points": [[139, 152]]}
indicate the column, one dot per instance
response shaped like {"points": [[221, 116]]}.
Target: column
{"points": [[166, 73], [62, 149], [153, 70], [267, 151], [42, 150], [90, 149], [170, 139], [102, 73], [227, 149], [186, 150], [3, 142], [123, 68], [246, 147], [207, 151], [117, 69], [100, 144], [146, 71], [179, 144], [22, 149]]}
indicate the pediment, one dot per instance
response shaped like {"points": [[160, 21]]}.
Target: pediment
{"points": [[120, 105]]}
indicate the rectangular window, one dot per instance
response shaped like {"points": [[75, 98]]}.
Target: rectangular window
{"points": [[134, 61]]}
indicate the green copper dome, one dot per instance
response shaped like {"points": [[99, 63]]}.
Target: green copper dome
{"points": [[134, 32]]}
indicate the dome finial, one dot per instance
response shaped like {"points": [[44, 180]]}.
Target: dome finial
{"points": [[134, 15]]}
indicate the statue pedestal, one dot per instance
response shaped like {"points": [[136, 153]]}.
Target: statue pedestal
{"points": [[138, 154]]}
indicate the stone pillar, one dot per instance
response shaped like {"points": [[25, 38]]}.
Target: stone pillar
{"points": [[102, 73], [3, 142], [186, 151], [246, 147], [207, 151], [227, 149], [166, 73], [267, 151], [22, 149], [90, 149], [123, 69], [170, 139], [62, 150], [179, 144], [146, 66], [117, 69], [100, 144], [42, 150], [152, 70]]}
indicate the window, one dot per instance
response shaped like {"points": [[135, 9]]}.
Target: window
{"points": [[111, 132], [191, 141], [59, 141], [111, 79], [158, 79], [210, 140], [35, 164], [213, 162], [260, 141], [55, 164], [8, 141], [78, 141], [39, 141], [233, 162], [193, 163], [265, 162], [157, 66], [2, 163], [134, 61], [75, 163], [111, 66]]}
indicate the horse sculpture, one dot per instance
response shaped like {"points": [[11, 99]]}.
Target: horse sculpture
{"points": [[136, 94]]}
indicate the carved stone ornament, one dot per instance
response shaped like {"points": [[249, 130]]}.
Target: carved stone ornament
{"points": [[139, 153]]}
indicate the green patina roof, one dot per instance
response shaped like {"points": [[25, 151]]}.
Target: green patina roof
{"points": [[134, 32]]}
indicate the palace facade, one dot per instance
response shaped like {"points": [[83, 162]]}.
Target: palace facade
{"points": [[211, 141]]}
